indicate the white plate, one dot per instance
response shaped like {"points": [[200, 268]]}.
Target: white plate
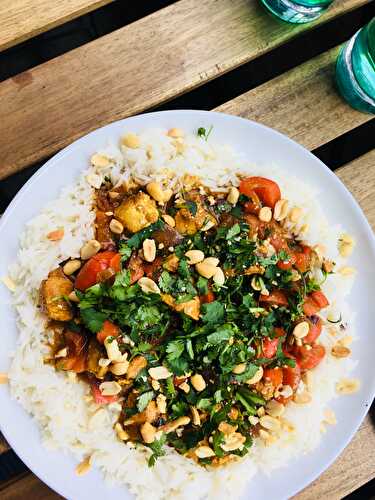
{"points": [[262, 145]]}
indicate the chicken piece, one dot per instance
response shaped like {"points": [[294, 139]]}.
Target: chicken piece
{"points": [[168, 236], [190, 308], [135, 366], [103, 233], [76, 359], [95, 352], [191, 221], [171, 263], [137, 212], [52, 293], [150, 414]]}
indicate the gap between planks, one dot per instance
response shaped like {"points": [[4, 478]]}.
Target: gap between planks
{"points": [[24, 19], [135, 68]]}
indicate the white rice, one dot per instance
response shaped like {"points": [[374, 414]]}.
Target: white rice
{"points": [[68, 418]]}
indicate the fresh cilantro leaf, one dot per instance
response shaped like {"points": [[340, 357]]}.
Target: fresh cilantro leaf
{"points": [[144, 399], [183, 268], [250, 371], [191, 206], [184, 298], [125, 251], [213, 312], [175, 349], [166, 282], [218, 438], [221, 334], [202, 285], [233, 231], [203, 133], [122, 279], [170, 387], [218, 396], [204, 404], [157, 449], [93, 319], [137, 239], [178, 366], [189, 348]]}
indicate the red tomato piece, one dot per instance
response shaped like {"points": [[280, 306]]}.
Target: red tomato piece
{"points": [[288, 263], [292, 376], [279, 332], [303, 259], [109, 329], [88, 275], [268, 191], [309, 358], [207, 298], [315, 329], [269, 347], [135, 266], [98, 396], [276, 297], [273, 375], [314, 302]]}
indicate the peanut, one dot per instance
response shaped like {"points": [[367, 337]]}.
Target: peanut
{"points": [[204, 452], [233, 195], [131, 140], [148, 286], [149, 250], [100, 161], [159, 373], [301, 330], [198, 382], [194, 256], [265, 214], [169, 220], [219, 277], [148, 432], [175, 133], [281, 210], [116, 227], [347, 386], [71, 266], [90, 249], [340, 351]]}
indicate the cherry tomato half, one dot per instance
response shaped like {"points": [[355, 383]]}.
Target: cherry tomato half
{"points": [[273, 375], [315, 329], [76, 360], [88, 275], [276, 297], [269, 347], [268, 191], [309, 357], [109, 329], [287, 263], [314, 302], [207, 298], [303, 259]]}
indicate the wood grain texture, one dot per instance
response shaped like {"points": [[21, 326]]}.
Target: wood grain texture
{"points": [[3, 444], [359, 178], [132, 69], [23, 19], [302, 103]]}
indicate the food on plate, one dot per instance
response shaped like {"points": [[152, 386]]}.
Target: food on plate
{"points": [[188, 318]]}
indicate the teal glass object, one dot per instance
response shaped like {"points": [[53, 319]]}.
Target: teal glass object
{"points": [[355, 70], [297, 11]]}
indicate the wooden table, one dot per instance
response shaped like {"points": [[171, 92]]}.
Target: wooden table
{"points": [[229, 55]]}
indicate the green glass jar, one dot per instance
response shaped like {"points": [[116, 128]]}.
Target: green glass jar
{"points": [[297, 11], [355, 69]]}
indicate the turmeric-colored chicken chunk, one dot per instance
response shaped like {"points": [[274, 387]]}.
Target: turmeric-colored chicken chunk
{"points": [[137, 212], [53, 291], [190, 308], [190, 221]]}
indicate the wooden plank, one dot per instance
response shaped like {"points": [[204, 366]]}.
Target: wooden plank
{"points": [[3, 444], [27, 486], [302, 103], [354, 468], [23, 19], [132, 69], [359, 177]]}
